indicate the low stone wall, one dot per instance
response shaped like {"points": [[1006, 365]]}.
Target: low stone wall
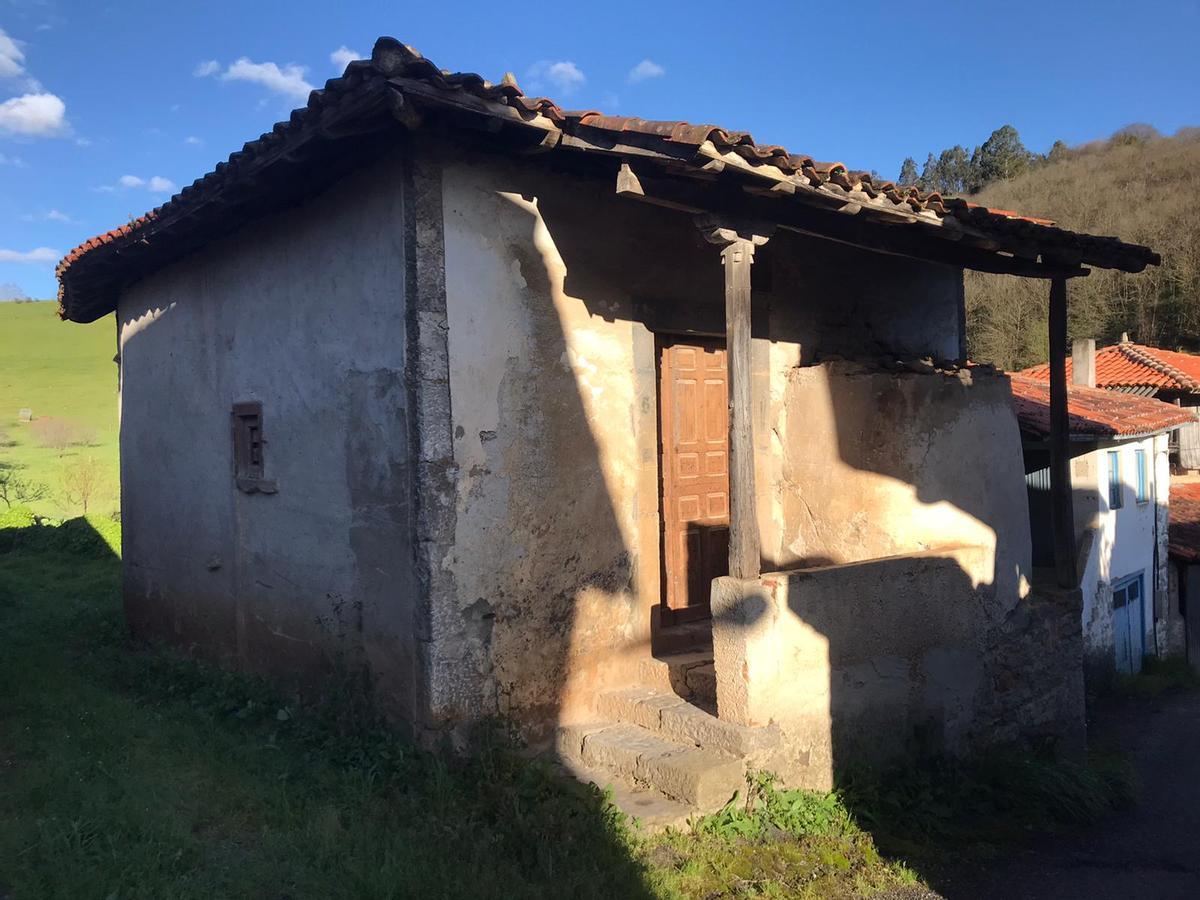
{"points": [[913, 654], [1034, 693]]}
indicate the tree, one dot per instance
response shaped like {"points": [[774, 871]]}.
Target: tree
{"points": [[929, 174], [15, 489], [908, 172], [955, 174], [1137, 133], [83, 482], [54, 434], [1058, 152], [1002, 156]]}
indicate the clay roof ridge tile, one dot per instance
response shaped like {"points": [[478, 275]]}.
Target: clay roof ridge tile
{"points": [[1146, 357]]}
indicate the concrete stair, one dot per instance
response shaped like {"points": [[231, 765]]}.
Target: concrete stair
{"points": [[656, 742]]}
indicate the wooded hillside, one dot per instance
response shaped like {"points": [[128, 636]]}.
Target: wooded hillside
{"points": [[1143, 189]]}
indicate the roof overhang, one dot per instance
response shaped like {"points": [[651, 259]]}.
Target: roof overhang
{"points": [[691, 168]]}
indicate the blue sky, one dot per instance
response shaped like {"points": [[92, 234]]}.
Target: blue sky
{"points": [[104, 109]]}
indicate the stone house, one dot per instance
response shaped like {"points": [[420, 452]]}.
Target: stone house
{"points": [[1120, 492], [650, 439], [1167, 375]]}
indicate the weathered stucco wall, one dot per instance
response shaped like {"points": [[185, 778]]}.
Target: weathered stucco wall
{"points": [[908, 654], [868, 464], [555, 290], [305, 312], [905, 570]]}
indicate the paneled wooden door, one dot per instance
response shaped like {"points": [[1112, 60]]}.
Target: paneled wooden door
{"points": [[694, 432]]}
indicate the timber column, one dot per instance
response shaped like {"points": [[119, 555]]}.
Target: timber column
{"points": [[737, 256], [1062, 514]]}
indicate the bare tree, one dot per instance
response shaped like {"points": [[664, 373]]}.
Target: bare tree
{"points": [[83, 483], [15, 489], [54, 434]]}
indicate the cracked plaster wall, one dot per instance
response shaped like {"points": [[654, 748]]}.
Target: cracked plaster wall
{"points": [[555, 292], [303, 310]]}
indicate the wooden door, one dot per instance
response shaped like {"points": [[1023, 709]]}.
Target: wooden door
{"points": [[1129, 624], [694, 431]]}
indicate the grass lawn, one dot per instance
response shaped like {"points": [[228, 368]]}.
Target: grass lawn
{"points": [[127, 772], [64, 372]]}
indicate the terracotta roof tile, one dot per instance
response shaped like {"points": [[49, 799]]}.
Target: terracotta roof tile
{"points": [[1183, 533], [1130, 365], [1094, 413], [408, 73]]}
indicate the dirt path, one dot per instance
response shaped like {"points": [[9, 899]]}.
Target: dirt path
{"points": [[1150, 851]]}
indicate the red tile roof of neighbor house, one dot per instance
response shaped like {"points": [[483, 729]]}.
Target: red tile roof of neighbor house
{"points": [[1094, 414], [397, 83], [1130, 365], [1183, 533]]}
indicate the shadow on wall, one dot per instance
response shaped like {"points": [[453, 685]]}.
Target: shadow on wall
{"points": [[909, 646], [555, 555], [543, 556]]}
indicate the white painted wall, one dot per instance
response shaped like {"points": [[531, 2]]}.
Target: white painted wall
{"points": [[1122, 540]]}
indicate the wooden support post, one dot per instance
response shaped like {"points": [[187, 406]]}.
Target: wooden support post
{"points": [[1061, 508], [737, 256], [744, 550]]}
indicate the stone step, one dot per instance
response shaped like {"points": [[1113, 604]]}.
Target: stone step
{"points": [[651, 810], [689, 675], [675, 719], [702, 683], [703, 779]]}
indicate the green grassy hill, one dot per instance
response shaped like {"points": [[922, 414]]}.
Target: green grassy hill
{"points": [[65, 374]]}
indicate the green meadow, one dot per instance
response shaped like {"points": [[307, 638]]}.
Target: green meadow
{"points": [[64, 373]]}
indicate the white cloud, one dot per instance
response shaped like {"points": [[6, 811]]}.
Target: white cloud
{"points": [[342, 57], [155, 184], [53, 216], [647, 68], [192, 140], [564, 76], [206, 68], [36, 255], [34, 115], [288, 81], [12, 60]]}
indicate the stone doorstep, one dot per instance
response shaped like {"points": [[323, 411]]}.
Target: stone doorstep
{"points": [[701, 680], [652, 810], [677, 720], [702, 778], [663, 672]]}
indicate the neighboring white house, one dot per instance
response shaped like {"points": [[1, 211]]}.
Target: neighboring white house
{"points": [[1120, 480]]}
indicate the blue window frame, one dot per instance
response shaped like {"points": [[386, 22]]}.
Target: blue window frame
{"points": [[1114, 479], [1143, 492]]}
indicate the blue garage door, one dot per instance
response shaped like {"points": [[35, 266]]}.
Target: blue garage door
{"points": [[1129, 627]]}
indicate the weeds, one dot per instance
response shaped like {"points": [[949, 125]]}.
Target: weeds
{"points": [[130, 771], [767, 811], [1158, 677], [1000, 798]]}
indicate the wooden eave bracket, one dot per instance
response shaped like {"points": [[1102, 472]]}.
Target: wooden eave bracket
{"points": [[723, 230]]}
